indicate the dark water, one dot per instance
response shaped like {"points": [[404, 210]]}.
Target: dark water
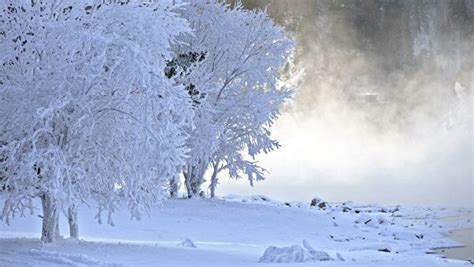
{"points": [[465, 237]]}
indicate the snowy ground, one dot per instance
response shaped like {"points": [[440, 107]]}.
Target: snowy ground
{"points": [[235, 231]]}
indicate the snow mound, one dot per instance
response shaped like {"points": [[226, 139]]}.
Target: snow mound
{"points": [[257, 199], [263, 200], [187, 243], [294, 253]]}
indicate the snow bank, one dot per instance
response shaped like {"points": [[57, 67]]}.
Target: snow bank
{"points": [[293, 254]]}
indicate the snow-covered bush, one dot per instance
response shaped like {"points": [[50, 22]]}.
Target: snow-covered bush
{"points": [[231, 67], [85, 109]]}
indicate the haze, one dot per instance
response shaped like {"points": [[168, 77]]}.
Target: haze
{"points": [[383, 104]]}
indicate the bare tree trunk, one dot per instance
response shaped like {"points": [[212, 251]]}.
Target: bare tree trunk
{"points": [[173, 188], [72, 220], [50, 223], [196, 181], [193, 179], [187, 183], [213, 186], [214, 180]]}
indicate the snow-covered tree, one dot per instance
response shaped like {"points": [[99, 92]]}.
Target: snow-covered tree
{"points": [[246, 134], [86, 111], [231, 66]]}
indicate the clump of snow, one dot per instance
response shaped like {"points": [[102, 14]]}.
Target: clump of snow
{"points": [[405, 236], [294, 253], [340, 238], [187, 243]]}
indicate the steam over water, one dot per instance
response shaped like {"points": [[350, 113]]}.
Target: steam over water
{"points": [[383, 109]]}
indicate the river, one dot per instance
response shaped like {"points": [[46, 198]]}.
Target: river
{"points": [[465, 237]]}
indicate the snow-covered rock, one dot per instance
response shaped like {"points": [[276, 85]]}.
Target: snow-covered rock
{"points": [[364, 219], [294, 253], [187, 243]]}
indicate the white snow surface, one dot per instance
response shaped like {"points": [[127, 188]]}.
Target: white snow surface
{"points": [[236, 231]]}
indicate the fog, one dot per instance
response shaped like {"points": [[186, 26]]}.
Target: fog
{"points": [[383, 106]]}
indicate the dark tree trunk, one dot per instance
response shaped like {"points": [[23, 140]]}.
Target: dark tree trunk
{"points": [[173, 188], [214, 180], [72, 220]]}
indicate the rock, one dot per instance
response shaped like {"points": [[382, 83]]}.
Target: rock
{"points": [[394, 210], [323, 205], [187, 243], [318, 202], [346, 209], [381, 220], [315, 201]]}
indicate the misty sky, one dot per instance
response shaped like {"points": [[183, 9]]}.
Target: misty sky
{"points": [[383, 104]]}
